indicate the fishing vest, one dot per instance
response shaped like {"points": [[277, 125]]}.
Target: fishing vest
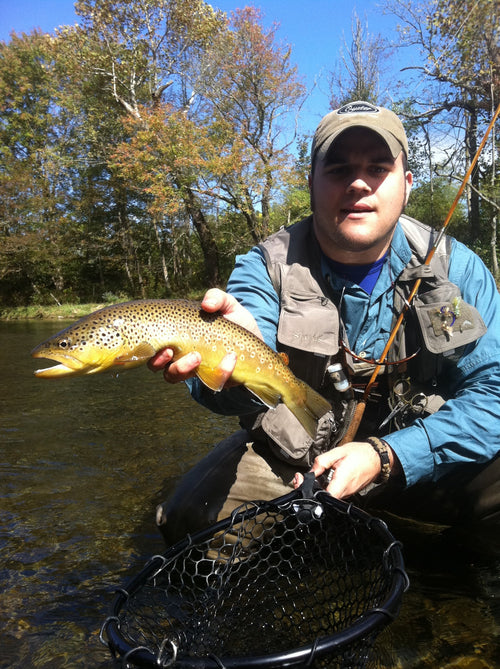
{"points": [[436, 329]]}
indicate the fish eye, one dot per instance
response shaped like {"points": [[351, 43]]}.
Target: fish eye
{"points": [[65, 343]]}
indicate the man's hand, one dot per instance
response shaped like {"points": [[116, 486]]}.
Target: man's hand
{"points": [[355, 465], [185, 368]]}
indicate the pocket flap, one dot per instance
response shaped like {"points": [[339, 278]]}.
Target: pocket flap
{"points": [[446, 326]]}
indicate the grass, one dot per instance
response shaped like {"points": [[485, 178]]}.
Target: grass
{"points": [[59, 312], [49, 312]]}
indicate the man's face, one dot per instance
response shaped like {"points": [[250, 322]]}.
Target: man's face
{"points": [[357, 196]]}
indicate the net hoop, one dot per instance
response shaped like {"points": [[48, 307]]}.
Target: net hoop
{"points": [[365, 628]]}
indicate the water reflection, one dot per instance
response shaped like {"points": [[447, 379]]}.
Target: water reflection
{"points": [[84, 463], [450, 617]]}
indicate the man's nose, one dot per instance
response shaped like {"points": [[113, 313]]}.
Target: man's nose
{"points": [[359, 184]]}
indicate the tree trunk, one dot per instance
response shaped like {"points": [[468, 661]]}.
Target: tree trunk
{"points": [[494, 218], [207, 241], [473, 192], [266, 204], [493, 244], [159, 241]]}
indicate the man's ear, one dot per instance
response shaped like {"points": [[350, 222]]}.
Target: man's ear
{"points": [[409, 184]]}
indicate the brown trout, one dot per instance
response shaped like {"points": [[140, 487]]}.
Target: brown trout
{"points": [[129, 334]]}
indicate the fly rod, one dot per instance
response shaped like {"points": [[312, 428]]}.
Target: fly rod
{"points": [[360, 408]]}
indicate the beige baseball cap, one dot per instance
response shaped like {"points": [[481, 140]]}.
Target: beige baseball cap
{"points": [[359, 114]]}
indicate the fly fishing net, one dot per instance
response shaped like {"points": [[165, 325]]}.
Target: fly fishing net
{"points": [[300, 581]]}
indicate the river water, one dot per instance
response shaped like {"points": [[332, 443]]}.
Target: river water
{"points": [[83, 464]]}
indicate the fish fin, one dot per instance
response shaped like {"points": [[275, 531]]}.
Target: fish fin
{"points": [[308, 408], [144, 351], [268, 395], [213, 377], [307, 405], [284, 357]]}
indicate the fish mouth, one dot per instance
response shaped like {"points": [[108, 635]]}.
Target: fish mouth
{"points": [[68, 366]]}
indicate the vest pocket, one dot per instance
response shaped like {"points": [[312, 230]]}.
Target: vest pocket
{"points": [[286, 433], [446, 326], [290, 442], [309, 323]]}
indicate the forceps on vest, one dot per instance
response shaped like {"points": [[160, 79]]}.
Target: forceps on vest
{"points": [[400, 400]]}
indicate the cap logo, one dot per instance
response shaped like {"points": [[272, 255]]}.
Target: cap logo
{"points": [[358, 107]]}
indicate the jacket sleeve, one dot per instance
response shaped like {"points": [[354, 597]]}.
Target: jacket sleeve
{"points": [[251, 285], [467, 427]]}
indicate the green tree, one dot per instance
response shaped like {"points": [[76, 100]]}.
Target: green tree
{"points": [[430, 203], [359, 68], [142, 149], [149, 55], [252, 89], [456, 85], [295, 204], [34, 176], [223, 150]]}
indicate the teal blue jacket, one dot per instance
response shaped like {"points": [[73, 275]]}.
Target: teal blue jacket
{"points": [[467, 427]]}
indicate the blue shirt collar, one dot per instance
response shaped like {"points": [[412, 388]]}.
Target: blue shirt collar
{"points": [[400, 256], [400, 251]]}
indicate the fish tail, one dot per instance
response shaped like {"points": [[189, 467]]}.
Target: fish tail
{"points": [[308, 406]]}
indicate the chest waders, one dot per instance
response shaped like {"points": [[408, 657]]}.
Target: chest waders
{"points": [[260, 461]]}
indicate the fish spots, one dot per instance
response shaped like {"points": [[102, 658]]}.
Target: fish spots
{"points": [[116, 333], [102, 337]]}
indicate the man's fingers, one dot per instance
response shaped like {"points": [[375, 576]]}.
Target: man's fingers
{"points": [[227, 364], [160, 360], [217, 300], [298, 480], [182, 369], [326, 461], [186, 367]]}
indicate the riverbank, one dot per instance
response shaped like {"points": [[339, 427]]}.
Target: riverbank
{"points": [[54, 312], [60, 312]]}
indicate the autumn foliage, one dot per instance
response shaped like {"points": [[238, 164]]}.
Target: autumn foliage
{"points": [[146, 146]]}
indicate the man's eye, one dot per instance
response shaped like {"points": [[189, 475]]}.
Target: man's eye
{"points": [[337, 169]]}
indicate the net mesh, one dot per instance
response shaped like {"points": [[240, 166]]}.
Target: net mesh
{"points": [[293, 582]]}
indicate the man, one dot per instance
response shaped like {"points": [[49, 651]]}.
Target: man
{"points": [[328, 291]]}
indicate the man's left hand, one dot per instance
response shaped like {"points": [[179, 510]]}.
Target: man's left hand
{"points": [[354, 465]]}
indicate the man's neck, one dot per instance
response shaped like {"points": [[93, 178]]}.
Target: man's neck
{"points": [[364, 275]]}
